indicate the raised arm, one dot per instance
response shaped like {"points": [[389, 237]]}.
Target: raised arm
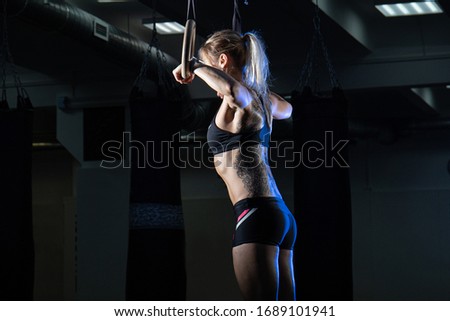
{"points": [[281, 109], [232, 91]]}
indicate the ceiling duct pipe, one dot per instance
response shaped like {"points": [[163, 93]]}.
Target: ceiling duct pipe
{"points": [[58, 15]]}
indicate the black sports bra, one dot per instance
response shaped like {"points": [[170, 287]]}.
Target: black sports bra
{"points": [[220, 140]]}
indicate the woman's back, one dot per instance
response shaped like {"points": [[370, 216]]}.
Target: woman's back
{"points": [[239, 140]]}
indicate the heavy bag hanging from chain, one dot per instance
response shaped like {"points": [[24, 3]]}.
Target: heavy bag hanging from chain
{"points": [[323, 257], [16, 228]]}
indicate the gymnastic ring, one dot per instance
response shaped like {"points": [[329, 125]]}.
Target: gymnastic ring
{"points": [[188, 47]]}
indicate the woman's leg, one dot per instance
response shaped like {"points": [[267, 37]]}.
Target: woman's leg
{"points": [[287, 280], [256, 269]]}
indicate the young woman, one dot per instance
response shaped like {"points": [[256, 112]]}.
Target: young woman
{"points": [[236, 67]]}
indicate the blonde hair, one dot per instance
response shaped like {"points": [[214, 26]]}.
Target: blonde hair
{"points": [[248, 53]]}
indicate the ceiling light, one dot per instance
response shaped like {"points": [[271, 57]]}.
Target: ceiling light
{"points": [[403, 9], [389, 11], [434, 7], [416, 7], [164, 27], [399, 8]]}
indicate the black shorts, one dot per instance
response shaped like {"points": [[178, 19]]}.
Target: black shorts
{"points": [[265, 220]]}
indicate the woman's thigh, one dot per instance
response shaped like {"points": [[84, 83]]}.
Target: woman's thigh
{"points": [[287, 280], [256, 269]]}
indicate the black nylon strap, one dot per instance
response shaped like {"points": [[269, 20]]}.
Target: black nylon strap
{"points": [[237, 24], [191, 10]]}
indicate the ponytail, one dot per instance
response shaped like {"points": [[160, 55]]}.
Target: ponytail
{"points": [[256, 68]]}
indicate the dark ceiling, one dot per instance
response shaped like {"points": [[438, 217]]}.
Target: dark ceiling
{"points": [[378, 60]]}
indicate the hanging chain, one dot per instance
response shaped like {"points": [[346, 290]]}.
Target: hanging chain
{"points": [[332, 72], [312, 63], [163, 74], [22, 95]]}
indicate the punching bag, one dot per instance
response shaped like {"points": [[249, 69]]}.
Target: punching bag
{"points": [[322, 197], [156, 249], [16, 228]]}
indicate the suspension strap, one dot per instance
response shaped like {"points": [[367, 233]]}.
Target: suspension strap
{"points": [[187, 52], [237, 25], [191, 13], [237, 21]]}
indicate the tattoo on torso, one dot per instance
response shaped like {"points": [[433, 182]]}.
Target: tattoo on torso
{"points": [[251, 169]]}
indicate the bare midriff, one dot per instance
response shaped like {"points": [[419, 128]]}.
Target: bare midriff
{"points": [[247, 174]]}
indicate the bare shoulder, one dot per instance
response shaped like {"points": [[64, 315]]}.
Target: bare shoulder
{"points": [[281, 108]]}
